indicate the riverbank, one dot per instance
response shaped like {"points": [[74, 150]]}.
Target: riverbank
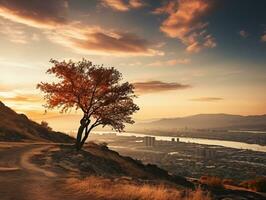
{"points": [[249, 137], [214, 142], [190, 159]]}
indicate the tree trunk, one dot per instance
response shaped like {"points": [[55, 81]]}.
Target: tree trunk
{"points": [[79, 137], [84, 123], [85, 137]]}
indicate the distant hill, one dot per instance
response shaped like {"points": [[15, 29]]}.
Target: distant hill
{"points": [[17, 127], [208, 121]]}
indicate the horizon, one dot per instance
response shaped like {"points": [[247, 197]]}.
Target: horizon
{"points": [[184, 57], [132, 99], [72, 127]]}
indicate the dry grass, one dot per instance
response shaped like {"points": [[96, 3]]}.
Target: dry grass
{"points": [[130, 167], [97, 188], [258, 184], [229, 182], [212, 181]]}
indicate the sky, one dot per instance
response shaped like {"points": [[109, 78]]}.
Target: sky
{"points": [[184, 57]]}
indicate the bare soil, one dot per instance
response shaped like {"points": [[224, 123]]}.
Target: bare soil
{"points": [[23, 177], [20, 179]]}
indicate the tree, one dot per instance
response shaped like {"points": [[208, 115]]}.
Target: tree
{"points": [[93, 89], [46, 125]]}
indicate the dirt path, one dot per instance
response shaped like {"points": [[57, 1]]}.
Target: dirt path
{"points": [[22, 180]]}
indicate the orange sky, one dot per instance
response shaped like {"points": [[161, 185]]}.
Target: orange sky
{"points": [[184, 57]]}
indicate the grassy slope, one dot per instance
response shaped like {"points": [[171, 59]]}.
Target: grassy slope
{"points": [[104, 174], [17, 127], [99, 188], [99, 160]]}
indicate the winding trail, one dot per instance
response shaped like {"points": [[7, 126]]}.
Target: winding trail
{"points": [[20, 179]]}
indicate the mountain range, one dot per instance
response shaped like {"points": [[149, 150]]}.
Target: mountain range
{"points": [[207, 121]]}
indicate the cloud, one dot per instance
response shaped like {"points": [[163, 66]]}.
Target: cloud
{"points": [[50, 17], [131, 64], [263, 38], [183, 61], [207, 99], [171, 62], [22, 98], [95, 40], [5, 88], [19, 93], [16, 33], [183, 22], [37, 13], [8, 89], [136, 3], [122, 5], [158, 86], [243, 34], [35, 37]]}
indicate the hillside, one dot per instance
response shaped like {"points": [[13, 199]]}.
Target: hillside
{"points": [[100, 173], [208, 121], [99, 160], [17, 127]]}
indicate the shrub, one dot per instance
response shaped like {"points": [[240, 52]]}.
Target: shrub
{"points": [[211, 181], [229, 182], [46, 125], [258, 184]]}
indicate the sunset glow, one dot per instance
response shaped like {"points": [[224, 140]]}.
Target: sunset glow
{"points": [[183, 57]]}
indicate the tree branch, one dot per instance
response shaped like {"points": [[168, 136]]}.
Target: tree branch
{"points": [[92, 97], [77, 95]]}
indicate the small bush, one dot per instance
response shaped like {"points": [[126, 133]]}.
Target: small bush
{"points": [[258, 184], [211, 181], [46, 125], [229, 182]]}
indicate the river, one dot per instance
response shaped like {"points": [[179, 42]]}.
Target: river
{"points": [[224, 143]]}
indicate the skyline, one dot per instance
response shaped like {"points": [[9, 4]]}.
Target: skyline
{"points": [[184, 57]]}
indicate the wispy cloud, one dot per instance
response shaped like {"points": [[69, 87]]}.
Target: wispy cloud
{"points": [[44, 14], [95, 40], [7, 63], [158, 86], [122, 5], [207, 99], [4, 87], [172, 62], [23, 98], [263, 37], [14, 33], [51, 18], [243, 34], [183, 22]]}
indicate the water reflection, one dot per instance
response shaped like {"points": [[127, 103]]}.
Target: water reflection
{"points": [[224, 143]]}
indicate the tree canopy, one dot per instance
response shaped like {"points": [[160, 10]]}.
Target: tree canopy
{"points": [[94, 89]]}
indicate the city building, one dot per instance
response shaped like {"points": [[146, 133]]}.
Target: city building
{"points": [[206, 153], [175, 139], [149, 141]]}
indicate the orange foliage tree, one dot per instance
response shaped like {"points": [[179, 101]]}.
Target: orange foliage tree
{"points": [[95, 90]]}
